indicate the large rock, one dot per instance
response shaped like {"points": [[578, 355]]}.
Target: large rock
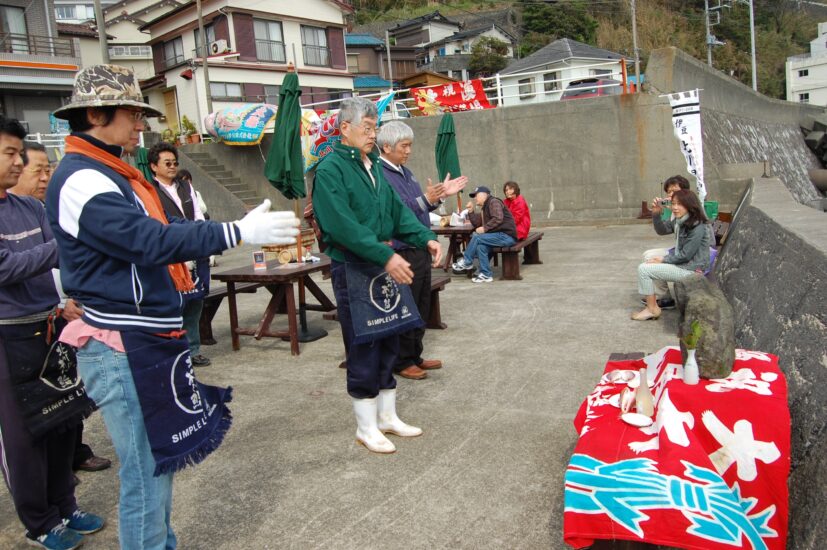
{"points": [[700, 300]]}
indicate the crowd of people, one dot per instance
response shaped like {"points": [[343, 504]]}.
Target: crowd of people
{"points": [[103, 275]]}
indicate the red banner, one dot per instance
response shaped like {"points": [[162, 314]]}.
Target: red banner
{"points": [[455, 96]]}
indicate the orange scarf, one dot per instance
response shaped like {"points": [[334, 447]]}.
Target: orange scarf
{"points": [[142, 188]]}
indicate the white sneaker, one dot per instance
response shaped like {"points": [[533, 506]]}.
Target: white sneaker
{"points": [[460, 266], [480, 278]]}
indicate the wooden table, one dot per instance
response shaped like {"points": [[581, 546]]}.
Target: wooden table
{"points": [[279, 280], [458, 237]]}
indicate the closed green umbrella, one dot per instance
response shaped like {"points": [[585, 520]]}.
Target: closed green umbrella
{"points": [[447, 158], [142, 163], [285, 167]]}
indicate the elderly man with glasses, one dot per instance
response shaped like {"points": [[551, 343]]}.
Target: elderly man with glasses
{"points": [[359, 213], [34, 179]]}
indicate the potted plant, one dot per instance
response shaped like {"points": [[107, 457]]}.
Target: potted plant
{"points": [[690, 341], [190, 131]]}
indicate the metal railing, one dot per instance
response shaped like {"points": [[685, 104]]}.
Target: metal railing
{"points": [[270, 50], [318, 56], [32, 44]]}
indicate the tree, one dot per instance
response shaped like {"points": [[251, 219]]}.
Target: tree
{"points": [[569, 19], [488, 56]]}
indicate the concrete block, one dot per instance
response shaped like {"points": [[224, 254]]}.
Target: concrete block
{"points": [[815, 140], [820, 123], [699, 300]]}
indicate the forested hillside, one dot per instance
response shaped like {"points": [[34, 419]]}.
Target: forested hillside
{"points": [[782, 28]]}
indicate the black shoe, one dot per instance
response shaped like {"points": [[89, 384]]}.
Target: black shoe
{"points": [[663, 303], [200, 361]]}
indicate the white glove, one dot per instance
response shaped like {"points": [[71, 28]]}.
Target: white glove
{"points": [[260, 226]]}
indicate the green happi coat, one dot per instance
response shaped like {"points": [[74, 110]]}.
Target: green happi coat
{"points": [[356, 215]]}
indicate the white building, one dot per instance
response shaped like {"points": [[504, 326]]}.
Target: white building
{"points": [[807, 73], [544, 75], [460, 44], [249, 49], [77, 11], [423, 30]]}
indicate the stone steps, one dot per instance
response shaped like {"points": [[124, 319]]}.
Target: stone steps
{"points": [[225, 178]]}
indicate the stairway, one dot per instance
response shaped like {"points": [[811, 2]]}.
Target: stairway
{"points": [[219, 173]]}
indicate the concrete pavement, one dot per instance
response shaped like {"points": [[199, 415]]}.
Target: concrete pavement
{"points": [[519, 357]]}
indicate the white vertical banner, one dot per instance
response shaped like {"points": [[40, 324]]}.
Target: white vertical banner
{"points": [[686, 122]]}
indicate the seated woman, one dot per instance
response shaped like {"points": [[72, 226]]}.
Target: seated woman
{"points": [[691, 252], [518, 207]]}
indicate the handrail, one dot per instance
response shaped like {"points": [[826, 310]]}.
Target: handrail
{"points": [[33, 44]]}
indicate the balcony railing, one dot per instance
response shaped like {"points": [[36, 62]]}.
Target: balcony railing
{"points": [[30, 44], [318, 56], [270, 50]]}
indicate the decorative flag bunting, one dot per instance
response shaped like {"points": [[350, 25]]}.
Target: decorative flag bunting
{"points": [[686, 122], [709, 473], [452, 97], [240, 123]]}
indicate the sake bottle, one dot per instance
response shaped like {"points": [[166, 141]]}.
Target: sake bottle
{"points": [[644, 402]]}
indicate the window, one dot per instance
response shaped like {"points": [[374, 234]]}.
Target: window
{"points": [[804, 98], [353, 62], [64, 12], [314, 47], [130, 51], [173, 52], [600, 72], [526, 88], [225, 90], [271, 94], [551, 82], [13, 21], [804, 72], [269, 41], [209, 31]]}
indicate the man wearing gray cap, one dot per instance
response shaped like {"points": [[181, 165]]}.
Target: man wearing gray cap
{"points": [[123, 261], [494, 226]]}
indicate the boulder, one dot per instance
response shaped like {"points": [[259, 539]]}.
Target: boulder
{"points": [[700, 300]]}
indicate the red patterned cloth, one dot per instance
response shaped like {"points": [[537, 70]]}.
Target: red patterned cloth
{"points": [[467, 95], [710, 473]]}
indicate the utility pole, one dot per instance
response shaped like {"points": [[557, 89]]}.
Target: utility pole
{"points": [[101, 23], [203, 38], [752, 39], [388, 50], [634, 47], [708, 34]]}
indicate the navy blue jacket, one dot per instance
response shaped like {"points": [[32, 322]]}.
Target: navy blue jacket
{"points": [[113, 256], [409, 190]]}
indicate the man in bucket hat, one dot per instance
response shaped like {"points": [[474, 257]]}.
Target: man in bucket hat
{"points": [[123, 261]]}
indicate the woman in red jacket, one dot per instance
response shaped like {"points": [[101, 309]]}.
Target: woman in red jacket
{"points": [[518, 207]]}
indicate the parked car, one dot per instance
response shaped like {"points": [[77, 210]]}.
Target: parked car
{"points": [[592, 87], [401, 111]]}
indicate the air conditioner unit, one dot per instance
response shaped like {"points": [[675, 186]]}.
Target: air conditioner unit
{"points": [[219, 47]]}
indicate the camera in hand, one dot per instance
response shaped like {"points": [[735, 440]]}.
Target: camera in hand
{"points": [[665, 202]]}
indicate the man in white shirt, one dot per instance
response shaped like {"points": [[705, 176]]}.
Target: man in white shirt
{"points": [[180, 201]]}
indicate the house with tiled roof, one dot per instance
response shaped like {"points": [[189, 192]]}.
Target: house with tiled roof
{"points": [[423, 30], [248, 50], [367, 61], [458, 47], [544, 75]]}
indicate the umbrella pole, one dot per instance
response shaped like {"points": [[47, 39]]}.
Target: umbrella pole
{"points": [[299, 254]]}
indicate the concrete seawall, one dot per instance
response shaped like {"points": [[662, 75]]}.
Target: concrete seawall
{"points": [[773, 270]]}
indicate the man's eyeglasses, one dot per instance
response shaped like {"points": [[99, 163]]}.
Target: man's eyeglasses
{"points": [[170, 163], [136, 115], [368, 130]]}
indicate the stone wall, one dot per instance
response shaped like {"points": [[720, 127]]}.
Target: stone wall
{"points": [[773, 270]]}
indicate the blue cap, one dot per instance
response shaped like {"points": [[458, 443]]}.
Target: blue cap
{"points": [[480, 189]]}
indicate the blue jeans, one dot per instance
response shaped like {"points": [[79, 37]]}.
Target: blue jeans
{"points": [[480, 247], [145, 500]]}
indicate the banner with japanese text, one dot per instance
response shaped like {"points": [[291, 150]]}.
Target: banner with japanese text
{"points": [[467, 95], [686, 122], [240, 123]]}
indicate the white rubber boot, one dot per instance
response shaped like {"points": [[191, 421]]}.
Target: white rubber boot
{"points": [[367, 433], [388, 420]]}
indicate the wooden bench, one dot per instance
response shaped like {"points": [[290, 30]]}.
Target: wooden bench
{"points": [[211, 304], [434, 321], [511, 255]]}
